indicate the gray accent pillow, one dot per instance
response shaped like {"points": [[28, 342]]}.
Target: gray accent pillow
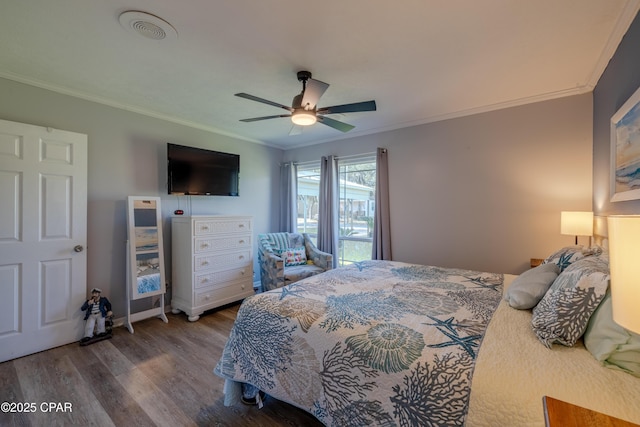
{"points": [[527, 289], [564, 312]]}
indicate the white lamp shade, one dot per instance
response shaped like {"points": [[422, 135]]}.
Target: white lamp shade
{"points": [[624, 265], [576, 223]]}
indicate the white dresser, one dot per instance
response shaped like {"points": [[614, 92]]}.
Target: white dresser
{"points": [[212, 262]]}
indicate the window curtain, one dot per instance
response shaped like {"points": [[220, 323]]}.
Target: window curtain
{"points": [[328, 207], [289, 197], [382, 223]]}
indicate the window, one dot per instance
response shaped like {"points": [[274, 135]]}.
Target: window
{"points": [[356, 209], [357, 183]]}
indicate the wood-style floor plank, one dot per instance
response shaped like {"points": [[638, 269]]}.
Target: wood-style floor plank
{"points": [[162, 375], [100, 369], [50, 378], [11, 391]]}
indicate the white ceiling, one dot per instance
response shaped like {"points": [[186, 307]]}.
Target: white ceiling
{"points": [[420, 60]]}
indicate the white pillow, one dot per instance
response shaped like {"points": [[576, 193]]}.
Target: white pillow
{"points": [[527, 289]]}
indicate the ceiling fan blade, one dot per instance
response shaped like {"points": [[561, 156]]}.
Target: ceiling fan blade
{"points": [[343, 127], [313, 91], [255, 119], [264, 101], [349, 108]]}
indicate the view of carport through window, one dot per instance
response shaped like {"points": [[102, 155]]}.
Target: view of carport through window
{"points": [[356, 206]]}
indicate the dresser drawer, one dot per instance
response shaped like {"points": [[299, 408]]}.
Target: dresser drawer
{"points": [[228, 243], [222, 261], [219, 279], [210, 296], [212, 226]]}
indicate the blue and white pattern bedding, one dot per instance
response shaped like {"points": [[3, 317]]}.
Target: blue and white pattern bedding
{"points": [[375, 343]]}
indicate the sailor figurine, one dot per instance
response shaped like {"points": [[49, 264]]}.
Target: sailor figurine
{"points": [[97, 308]]}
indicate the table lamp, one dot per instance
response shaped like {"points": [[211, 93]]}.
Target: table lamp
{"points": [[577, 224], [624, 266]]}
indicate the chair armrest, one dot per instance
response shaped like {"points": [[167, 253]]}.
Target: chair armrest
{"points": [[271, 270], [275, 262], [323, 260]]}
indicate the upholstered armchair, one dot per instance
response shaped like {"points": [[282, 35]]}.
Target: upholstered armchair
{"points": [[285, 258]]}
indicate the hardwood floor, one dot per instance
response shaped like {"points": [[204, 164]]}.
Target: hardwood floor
{"points": [[162, 375]]}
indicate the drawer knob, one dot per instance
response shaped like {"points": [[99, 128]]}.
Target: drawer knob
{"points": [[241, 225], [204, 280], [204, 263], [204, 245], [241, 257], [241, 242]]}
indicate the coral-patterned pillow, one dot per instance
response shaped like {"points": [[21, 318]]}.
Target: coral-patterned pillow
{"points": [[563, 313], [566, 256]]}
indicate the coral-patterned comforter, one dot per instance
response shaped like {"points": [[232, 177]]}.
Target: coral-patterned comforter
{"points": [[375, 343]]}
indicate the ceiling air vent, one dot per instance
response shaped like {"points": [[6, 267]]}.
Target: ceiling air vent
{"points": [[147, 25]]}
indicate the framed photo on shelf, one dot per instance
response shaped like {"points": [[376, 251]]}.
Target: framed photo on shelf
{"points": [[625, 151]]}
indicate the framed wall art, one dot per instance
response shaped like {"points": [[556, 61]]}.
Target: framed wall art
{"points": [[625, 151]]}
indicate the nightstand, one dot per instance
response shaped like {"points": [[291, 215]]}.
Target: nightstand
{"points": [[536, 262], [562, 414]]}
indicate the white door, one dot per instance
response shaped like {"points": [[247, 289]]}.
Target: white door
{"points": [[43, 234]]}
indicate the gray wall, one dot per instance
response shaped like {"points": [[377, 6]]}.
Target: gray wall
{"points": [[618, 82], [127, 156], [485, 191]]}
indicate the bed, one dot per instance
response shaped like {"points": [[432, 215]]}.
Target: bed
{"points": [[389, 343]]}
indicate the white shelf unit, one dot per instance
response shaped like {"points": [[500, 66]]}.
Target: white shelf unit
{"points": [[212, 262]]}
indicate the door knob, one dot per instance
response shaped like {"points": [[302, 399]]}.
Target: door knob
{"points": [[78, 248]]}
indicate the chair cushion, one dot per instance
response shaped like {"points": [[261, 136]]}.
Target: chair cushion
{"points": [[295, 240], [299, 272]]}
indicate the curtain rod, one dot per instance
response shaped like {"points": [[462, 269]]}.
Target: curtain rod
{"points": [[352, 156], [308, 162], [357, 155]]}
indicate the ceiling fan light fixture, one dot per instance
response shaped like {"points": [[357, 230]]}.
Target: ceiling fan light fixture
{"points": [[304, 108], [303, 118]]}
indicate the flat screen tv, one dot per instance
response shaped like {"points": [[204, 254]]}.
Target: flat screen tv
{"points": [[195, 171]]}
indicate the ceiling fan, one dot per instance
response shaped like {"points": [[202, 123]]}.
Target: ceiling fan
{"points": [[304, 110]]}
